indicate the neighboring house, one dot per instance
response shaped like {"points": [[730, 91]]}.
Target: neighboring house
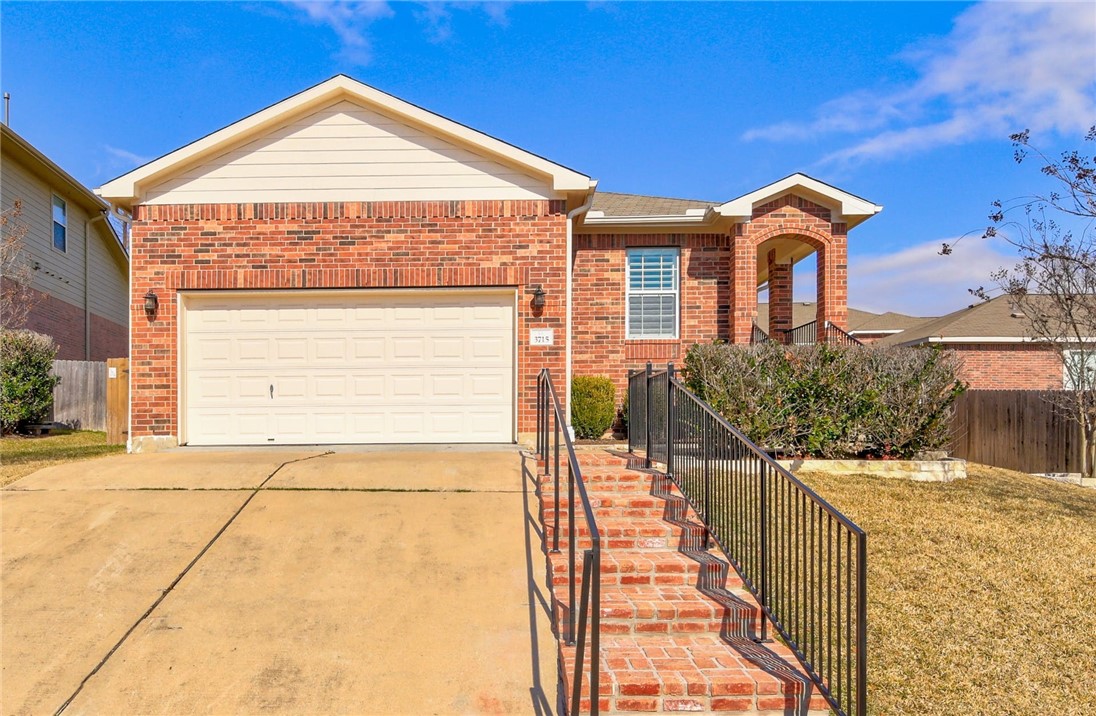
{"points": [[993, 339], [865, 326], [346, 267], [80, 278]]}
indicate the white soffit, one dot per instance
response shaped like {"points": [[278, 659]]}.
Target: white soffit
{"points": [[850, 208], [127, 188]]}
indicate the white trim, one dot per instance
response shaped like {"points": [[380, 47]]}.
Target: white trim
{"points": [[127, 188], [869, 330], [850, 208]]}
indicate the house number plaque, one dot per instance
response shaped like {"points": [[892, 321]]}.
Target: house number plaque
{"points": [[542, 336]]}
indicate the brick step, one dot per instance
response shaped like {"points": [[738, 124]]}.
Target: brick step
{"points": [[671, 609], [701, 673], [614, 478], [622, 567], [632, 533], [608, 504], [589, 458]]}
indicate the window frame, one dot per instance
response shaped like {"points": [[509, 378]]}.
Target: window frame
{"points": [[54, 223], [1069, 366], [628, 292]]}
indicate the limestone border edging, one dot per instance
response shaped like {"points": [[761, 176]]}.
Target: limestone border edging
{"points": [[944, 470]]}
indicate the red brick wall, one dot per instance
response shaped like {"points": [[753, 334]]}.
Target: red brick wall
{"points": [[64, 322], [1014, 366], [598, 325], [797, 218], [340, 245]]}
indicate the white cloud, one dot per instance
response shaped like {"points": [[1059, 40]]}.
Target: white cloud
{"points": [[351, 20], [1004, 67], [122, 159], [920, 282]]}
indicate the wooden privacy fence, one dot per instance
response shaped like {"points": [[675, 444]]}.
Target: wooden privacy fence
{"points": [[93, 395], [80, 399], [1015, 429]]}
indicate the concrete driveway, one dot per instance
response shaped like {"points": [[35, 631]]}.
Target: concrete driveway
{"points": [[272, 581]]}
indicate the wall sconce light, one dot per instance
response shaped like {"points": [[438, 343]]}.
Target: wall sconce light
{"points": [[538, 296], [152, 304]]}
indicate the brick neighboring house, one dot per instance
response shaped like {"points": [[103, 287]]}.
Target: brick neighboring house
{"points": [[80, 272], [865, 326], [344, 266], [993, 339]]}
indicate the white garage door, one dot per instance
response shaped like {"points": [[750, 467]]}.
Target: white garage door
{"points": [[336, 367]]}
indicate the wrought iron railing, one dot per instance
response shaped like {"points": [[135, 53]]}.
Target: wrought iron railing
{"points": [[758, 335], [809, 333], [552, 432], [804, 562]]}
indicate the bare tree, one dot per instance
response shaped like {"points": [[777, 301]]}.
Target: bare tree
{"points": [[1054, 282], [16, 269]]}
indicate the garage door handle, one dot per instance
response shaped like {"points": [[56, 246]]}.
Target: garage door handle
{"points": [[272, 391]]}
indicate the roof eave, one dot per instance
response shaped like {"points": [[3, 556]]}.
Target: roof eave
{"points": [[91, 200], [853, 210]]}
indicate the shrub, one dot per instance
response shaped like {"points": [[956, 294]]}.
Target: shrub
{"points": [[593, 405], [26, 383], [831, 401]]}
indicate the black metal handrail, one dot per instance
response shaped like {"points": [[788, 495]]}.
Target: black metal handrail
{"points": [[758, 335], [804, 562], [551, 423], [808, 333]]}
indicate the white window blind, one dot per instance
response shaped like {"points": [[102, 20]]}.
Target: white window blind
{"points": [[652, 293]]}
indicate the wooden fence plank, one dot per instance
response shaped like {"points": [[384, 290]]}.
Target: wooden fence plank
{"points": [[117, 401], [79, 400], [1015, 429]]}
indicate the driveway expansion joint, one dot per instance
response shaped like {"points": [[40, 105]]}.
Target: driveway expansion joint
{"points": [[179, 578]]}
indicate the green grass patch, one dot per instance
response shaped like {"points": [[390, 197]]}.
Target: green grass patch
{"points": [[21, 455], [979, 592]]}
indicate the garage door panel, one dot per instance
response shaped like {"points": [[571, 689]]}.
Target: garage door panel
{"points": [[421, 367]]}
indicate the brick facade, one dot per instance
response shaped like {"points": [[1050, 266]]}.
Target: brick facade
{"points": [[64, 322], [441, 244], [1009, 366], [600, 347]]}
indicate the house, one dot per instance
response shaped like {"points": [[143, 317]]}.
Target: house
{"points": [[79, 271], [994, 341], [865, 326], [344, 267]]}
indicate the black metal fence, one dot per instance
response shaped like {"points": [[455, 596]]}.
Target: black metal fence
{"points": [[804, 562], [809, 333], [758, 335], [552, 432]]}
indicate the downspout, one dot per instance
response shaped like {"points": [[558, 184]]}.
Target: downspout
{"points": [[570, 286], [101, 216]]}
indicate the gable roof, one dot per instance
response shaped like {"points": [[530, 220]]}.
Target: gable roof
{"points": [[994, 321], [849, 208], [127, 188]]}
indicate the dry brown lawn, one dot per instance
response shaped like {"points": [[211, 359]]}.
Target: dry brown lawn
{"points": [[982, 592], [22, 455]]}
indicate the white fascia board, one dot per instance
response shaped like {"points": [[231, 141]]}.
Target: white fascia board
{"points": [[692, 217], [870, 330], [852, 209], [126, 188]]}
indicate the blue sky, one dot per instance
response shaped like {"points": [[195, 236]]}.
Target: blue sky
{"points": [[907, 104]]}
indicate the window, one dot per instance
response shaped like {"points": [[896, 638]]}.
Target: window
{"points": [[60, 224], [652, 293], [1079, 369]]}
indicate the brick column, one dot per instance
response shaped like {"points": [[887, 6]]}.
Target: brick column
{"points": [[833, 276], [743, 272], [780, 298]]}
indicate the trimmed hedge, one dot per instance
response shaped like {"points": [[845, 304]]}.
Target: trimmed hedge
{"points": [[26, 383], [831, 401], [593, 405]]}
